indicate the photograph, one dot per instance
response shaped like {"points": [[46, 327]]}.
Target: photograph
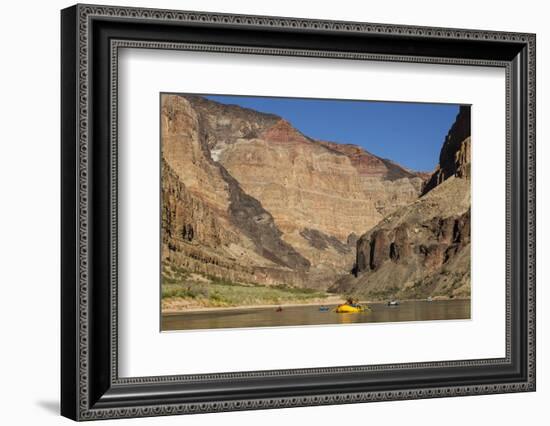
{"points": [[279, 211], [268, 207]]}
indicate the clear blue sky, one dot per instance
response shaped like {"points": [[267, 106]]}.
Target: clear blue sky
{"points": [[410, 134]]}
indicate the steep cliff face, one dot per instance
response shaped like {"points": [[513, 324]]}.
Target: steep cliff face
{"points": [[422, 249], [210, 225], [454, 158], [333, 191], [271, 205]]}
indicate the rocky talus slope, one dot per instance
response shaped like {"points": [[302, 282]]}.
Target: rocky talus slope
{"points": [[422, 249], [247, 196]]}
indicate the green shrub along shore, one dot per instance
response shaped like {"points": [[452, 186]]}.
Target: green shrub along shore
{"points": [[185, 290]]}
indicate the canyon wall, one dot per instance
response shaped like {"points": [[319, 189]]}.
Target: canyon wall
{"points": [[454, 158], [247, 195], [422, 249], [209, 224]]}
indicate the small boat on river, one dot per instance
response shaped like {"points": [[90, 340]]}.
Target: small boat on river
{"points": [[350, 307], [393, 303]]}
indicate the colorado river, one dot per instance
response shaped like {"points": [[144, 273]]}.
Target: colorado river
{"points": [[312, 315]]}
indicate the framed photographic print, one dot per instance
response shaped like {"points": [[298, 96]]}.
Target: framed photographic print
{"points": [[263, 212]]}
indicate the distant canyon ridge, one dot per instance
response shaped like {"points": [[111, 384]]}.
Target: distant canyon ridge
{"points": [[249, 198]]}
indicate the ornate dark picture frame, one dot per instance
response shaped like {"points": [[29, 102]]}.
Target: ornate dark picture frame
{"points": [[91, 36]]}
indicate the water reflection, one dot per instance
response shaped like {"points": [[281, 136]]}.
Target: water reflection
{"points": [[311, 315]]}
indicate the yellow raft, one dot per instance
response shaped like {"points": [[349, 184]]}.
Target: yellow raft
{"points": [[349, 309]]}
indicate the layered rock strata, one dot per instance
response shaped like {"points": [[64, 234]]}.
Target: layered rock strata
{"points": [[423, 249], [248, 196]]}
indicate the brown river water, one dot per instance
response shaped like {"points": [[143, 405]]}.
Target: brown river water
{"points": [[312, 315]]}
